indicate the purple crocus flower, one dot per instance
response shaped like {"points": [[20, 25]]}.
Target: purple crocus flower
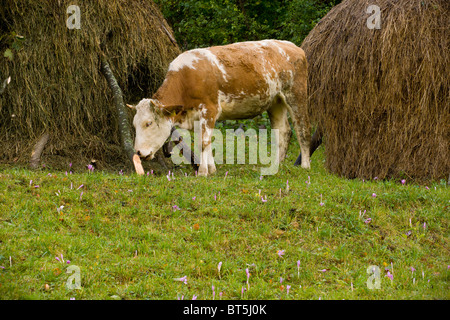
{"points": [[390, 275], [287, 289], [182, 279], [280, 253], [403, 181]]}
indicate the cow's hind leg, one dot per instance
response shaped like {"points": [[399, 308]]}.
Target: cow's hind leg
{"points": [[297, 106], [279, 120]]}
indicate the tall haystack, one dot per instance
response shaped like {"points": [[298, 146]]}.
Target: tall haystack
{"points": [[56, 82], [382, 95]]}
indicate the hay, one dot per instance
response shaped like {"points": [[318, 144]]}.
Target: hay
{"points": [[382, 96], [56, 83]]}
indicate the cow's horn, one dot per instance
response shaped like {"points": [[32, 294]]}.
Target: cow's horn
{"points": [[130, 106]]}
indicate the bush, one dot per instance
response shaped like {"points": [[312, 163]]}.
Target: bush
{"points": [[203, 23]]}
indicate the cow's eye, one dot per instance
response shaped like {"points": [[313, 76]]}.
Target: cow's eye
{"points": [[148, 124]]}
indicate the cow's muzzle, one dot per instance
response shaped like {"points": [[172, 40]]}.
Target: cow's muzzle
{"points": [[147, 157]]}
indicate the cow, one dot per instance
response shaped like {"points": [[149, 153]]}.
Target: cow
{"points": [[316, 141], [230, 82]]}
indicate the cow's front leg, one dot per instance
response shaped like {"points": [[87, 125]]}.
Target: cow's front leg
{"points": [[207, 165]]}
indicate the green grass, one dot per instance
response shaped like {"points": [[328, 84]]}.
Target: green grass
{"points": [[129, 242]]}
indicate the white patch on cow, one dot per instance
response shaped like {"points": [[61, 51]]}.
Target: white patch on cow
{"points": [[152, 130], [213, 59], [241, 106], [186, 59]]}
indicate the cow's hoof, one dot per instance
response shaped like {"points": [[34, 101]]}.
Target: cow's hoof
{"points": [[211, 169]]}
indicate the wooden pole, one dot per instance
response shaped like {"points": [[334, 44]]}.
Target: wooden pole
{"points": [[121, 110], [37, 150]]}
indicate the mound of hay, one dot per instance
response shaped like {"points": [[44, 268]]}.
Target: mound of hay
{"points": [[56, 82], [382, 95]]}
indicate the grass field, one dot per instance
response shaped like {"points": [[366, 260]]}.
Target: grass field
{"points": [[134, 237]]}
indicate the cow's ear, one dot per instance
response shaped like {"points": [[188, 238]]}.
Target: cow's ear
{"points": [[172, 110]]}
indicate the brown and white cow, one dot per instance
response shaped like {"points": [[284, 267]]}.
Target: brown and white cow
{"points": [[236, 81]]}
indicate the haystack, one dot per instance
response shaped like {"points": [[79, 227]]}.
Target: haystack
{"points": [[382, 95], [56, 82]]}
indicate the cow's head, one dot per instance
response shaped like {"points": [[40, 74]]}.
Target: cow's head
{"points": [[153, 127]]}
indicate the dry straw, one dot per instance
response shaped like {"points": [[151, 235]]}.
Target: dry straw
{"points": [[382, 95], [56, 83]]}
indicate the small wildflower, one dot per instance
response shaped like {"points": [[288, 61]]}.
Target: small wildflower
{"points": [[287, 289], [194, 297], [280, 253], [390, 275], [374, 195], [182, 279], [413, 269], [175, 208], [248, 277], [368, 220], [321, 203], [264, 200], [298, 268], [403, 181]]}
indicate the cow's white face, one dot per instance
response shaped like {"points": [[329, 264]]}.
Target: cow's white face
{"points": [[152, 128]]}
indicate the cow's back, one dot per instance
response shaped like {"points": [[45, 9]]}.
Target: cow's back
{"points": [[242, 78]]}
